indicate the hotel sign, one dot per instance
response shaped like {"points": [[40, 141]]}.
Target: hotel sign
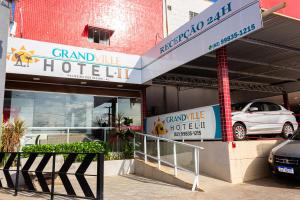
{"points": [[194, 124], [217, 26], [48, 59]]}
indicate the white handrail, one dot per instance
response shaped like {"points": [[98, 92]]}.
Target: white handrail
{"points": [[169, 140], [196, 152], [70, 128], [67, 129]]}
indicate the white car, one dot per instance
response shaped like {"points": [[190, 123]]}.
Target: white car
{"points": [[262, 118]]}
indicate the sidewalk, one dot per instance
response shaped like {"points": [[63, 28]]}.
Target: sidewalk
{"points": [[137, 188]]}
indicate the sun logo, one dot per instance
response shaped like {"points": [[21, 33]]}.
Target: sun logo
{"points": [[22, 57], [159, 128]]}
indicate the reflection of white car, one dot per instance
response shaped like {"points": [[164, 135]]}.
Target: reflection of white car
{"points": [[32, 139], [262, 118]]}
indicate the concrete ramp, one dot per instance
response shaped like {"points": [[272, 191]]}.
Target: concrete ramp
{"points": [[184, 179], [164, 174]]}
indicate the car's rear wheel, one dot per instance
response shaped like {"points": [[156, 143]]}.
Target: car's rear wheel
{"points": [[239, 131], [287, 130]]}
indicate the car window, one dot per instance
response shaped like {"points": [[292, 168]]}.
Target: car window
{"points": [[238, 106], [265, 107], [258, 105], [272, 107]]}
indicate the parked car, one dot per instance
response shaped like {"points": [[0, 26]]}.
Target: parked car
{"points": [[285, 158], [262, 118]]}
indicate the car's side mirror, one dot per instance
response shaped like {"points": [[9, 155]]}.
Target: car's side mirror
{"points": [[253, 109]]}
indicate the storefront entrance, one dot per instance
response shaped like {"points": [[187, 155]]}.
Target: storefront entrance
{"points": [[48, 114]]}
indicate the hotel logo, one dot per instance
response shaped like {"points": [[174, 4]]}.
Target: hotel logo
{"points": [[159, 127], [22, 57]]}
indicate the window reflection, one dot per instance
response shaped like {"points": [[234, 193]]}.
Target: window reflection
{"points": [[131, 108], [44, 109]]}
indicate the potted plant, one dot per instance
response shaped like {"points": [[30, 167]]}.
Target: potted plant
{"points": [[11, 135], [123, 136]]}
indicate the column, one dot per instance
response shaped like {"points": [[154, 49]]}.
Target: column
{"points": [[224, 94], [144, 108], [286, 102], [4, 16]]}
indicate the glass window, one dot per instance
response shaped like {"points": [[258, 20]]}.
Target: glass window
{"points": [[258, 105], [80, 112], [131, 108], [238, 107], [98, 35], [88, 117], [273, 107], [48, 110], [41, 109], [104, 109]]}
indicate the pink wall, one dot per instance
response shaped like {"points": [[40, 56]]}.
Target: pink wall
{"points": [[135, 22], [292, 9]]}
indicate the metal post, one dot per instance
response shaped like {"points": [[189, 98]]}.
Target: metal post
{"points": [[158, 153], [196, 179], [53, 176], [104, 138], [68, 135], [17, 175], [100, 175], [196, 160], [198, 166], [145, 148], [286, 103], [175, 159], [134, 146], [144, 108], [118, 144]]}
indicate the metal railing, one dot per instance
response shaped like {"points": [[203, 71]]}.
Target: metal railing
{"points": [[39, 179], [160, 160], [68, 130]]}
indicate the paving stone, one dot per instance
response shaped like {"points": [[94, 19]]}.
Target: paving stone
{"points": [[133, 187]]}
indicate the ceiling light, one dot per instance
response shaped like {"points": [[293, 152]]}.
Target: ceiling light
{"points": [[36, 79], [120, 85], [83, 82]]}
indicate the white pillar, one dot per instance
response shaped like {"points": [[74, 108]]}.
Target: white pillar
{"points": [[4, 16]]}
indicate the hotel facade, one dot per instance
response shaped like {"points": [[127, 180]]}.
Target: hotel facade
{"points": [[78, 63]]}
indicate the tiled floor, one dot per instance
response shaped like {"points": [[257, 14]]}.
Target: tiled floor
{"points": [[137, 188]]}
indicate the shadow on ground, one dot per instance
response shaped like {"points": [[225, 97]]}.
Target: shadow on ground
{"points": [[146, 180], [277, 182]]}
